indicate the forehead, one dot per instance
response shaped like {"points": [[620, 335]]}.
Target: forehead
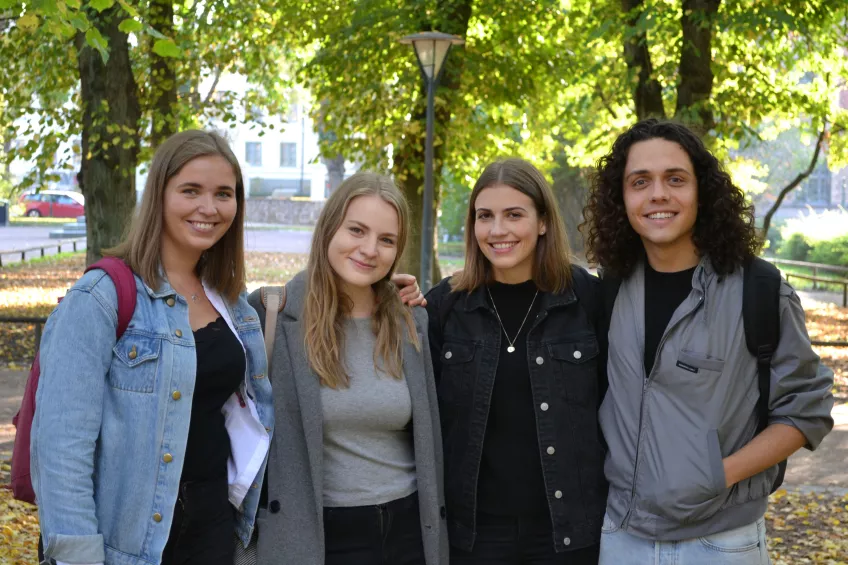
{"points": [[374, 212], [502, 196], [657, 155]]}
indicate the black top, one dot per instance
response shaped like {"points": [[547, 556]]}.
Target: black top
{"points": [[511, 480], [220, 371], [664, 292]]}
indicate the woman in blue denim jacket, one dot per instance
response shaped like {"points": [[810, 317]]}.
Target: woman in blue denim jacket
{"points": [[152, 449]]}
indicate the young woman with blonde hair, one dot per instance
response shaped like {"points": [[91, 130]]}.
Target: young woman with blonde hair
{"points": [[519, 368], [355, 470], [145, 448]]}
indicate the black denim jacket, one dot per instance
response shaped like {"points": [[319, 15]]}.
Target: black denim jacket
{"points": [[567, 365]]}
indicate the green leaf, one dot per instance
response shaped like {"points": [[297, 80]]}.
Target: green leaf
{"points": [[130, 26], [96, 41], [101, 5], [128, 9], [28, 21], [79, 21], [166, 48], [75, 4]]}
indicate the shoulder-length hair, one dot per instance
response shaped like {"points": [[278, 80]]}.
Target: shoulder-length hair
{"points": [[724, 226], [327, 306], [552, 263], [222, 265]]}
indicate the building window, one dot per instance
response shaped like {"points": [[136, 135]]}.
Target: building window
{"points": [[288, 154], [253, 153], [816, 189]]}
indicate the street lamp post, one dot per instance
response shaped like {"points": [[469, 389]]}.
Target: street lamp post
{"points": [[431, 50]]}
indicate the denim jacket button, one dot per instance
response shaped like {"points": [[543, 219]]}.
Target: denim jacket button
{"points": [[167, 458], [558, 494], [539, 360], [170, 301], [551, 450], [577, 355], [176, 395], [448, 355], [544, 406], [157, 517], [133, 353], [567, 541], [178, 333]]}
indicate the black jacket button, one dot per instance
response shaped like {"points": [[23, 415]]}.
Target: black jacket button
{"points": [[274, 507], [443, 512]]}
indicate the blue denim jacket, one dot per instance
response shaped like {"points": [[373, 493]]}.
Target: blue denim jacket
{"points": [[112, 420]]}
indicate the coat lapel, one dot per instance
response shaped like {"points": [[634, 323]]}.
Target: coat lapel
{"points": [[309, 399]]}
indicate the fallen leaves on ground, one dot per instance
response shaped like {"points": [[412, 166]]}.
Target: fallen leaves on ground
{"points": [[808, 528], [18, 524]]}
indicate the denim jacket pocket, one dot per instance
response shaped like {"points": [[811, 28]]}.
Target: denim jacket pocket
{"points": [[457, 370], [577, 361], [135, 363]]}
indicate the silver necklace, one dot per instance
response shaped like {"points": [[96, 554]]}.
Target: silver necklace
{"points": [[511, 342]]}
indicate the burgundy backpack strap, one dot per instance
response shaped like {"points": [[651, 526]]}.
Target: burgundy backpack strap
{"points": [[124, 280]]}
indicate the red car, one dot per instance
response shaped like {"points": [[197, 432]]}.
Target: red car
{"points": [[54, 204]]}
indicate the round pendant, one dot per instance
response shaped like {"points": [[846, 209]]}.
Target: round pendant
{"points": [[510, 349]]}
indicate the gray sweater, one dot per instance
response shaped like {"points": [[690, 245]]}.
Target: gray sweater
{"points": [[368, 455]]}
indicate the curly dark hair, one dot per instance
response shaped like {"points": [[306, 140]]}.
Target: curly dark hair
{"points": [[724, 227]]}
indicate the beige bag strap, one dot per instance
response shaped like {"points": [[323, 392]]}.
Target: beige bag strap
{"points": [[273, 300]]}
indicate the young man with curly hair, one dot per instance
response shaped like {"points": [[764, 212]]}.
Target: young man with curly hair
{"points": [[689, 473]]}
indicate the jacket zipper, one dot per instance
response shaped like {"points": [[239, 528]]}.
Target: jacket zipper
{"points": [[642, 410]]}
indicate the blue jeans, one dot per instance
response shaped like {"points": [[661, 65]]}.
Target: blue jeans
{"points": [[741, 546]]}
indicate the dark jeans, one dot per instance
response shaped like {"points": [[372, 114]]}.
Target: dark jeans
{"points": [[504, 540], [203, 527], [385, 534]]}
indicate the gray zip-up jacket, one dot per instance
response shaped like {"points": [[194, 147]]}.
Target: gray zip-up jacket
{"points": [[668, 433]]}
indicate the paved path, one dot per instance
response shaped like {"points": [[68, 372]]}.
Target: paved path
{"points": [[268, 240], [826, 467]]}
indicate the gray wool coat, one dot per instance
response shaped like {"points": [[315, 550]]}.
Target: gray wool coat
{"points": [[291, 528]]}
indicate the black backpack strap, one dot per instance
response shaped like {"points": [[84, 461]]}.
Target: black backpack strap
{"points": [[761, 318], [609, 292]]}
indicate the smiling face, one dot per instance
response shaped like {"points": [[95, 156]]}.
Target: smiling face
{"points": [[661, 199], [507, 227], [199, 206], [364, 248]]}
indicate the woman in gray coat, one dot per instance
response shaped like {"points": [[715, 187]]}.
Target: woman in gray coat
{"points": [[355, 467]]}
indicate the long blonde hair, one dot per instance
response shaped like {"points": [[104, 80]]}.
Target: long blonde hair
{"points": [[327, 306], [552, 262], [222, 265]]}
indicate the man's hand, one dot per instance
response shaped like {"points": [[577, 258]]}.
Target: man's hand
{"points": [[409, 292]]}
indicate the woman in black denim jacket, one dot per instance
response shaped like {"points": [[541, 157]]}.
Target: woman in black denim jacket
{"points": [[520, 372]]}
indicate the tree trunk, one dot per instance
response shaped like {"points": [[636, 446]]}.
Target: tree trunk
{"points": [[163, 76], [335, 171], [696, 75], [452, 17], [110, 136], [647, 93]]}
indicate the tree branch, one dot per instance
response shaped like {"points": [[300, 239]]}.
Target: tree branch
{"points": [[796, 181], [213, 88]]}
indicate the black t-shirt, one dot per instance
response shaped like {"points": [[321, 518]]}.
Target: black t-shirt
{"points": [[664, 292], [511, 481], [220, 371]]}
